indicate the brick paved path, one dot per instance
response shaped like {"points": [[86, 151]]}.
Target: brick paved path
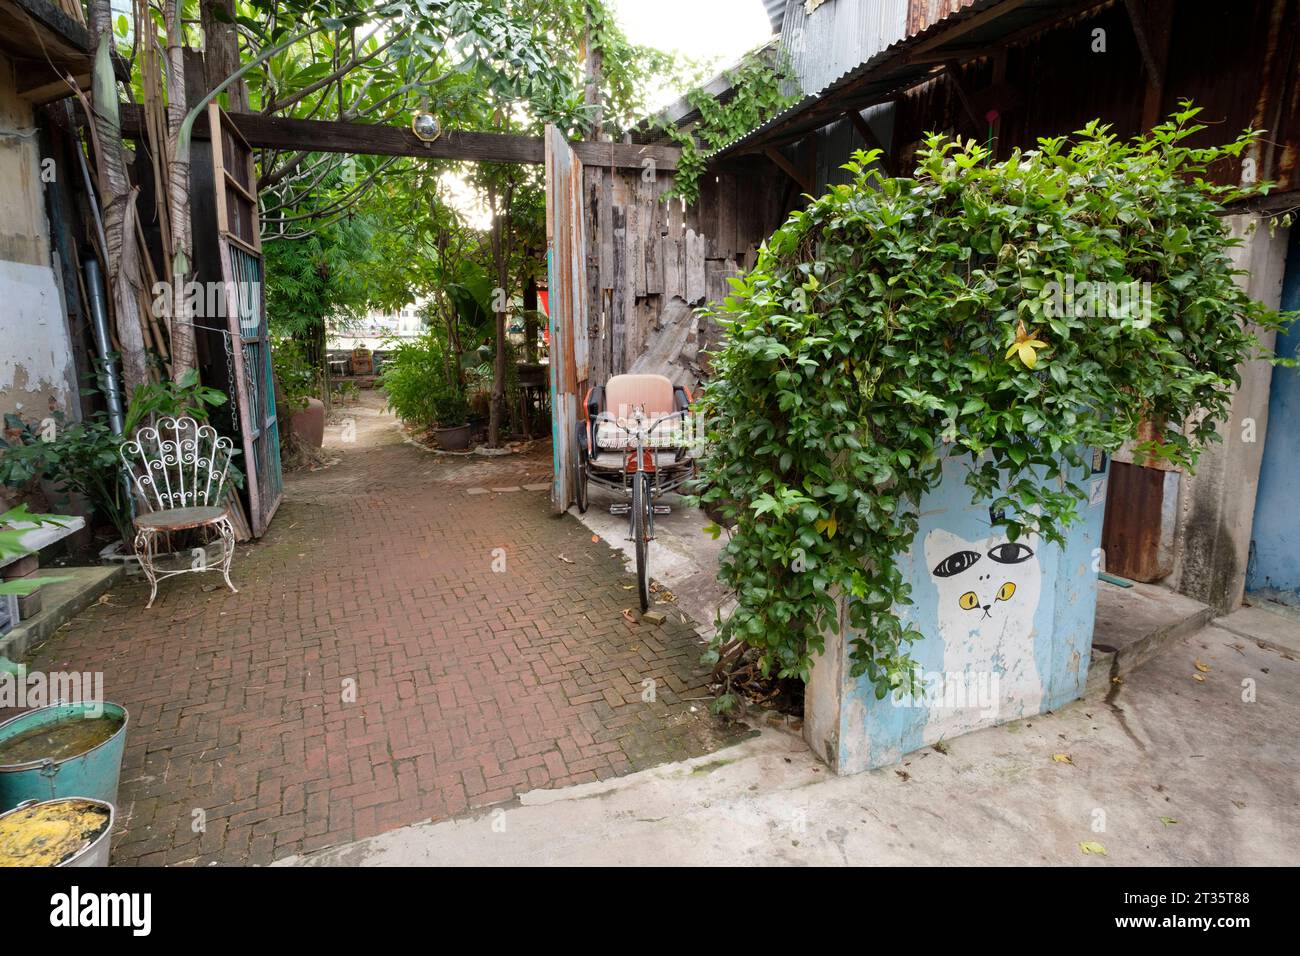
{"points": [[471, 685]]}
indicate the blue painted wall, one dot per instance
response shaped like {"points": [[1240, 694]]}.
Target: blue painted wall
{"points": [[1004, 657], [1275, 539]]}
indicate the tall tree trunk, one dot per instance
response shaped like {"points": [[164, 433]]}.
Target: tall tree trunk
{"points": [[594, 68], [118, 198], [501, 257], [530, 316], [221, 52], [178, 194]]}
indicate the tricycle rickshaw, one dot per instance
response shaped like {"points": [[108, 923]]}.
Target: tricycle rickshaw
{"points": [[636, 438]]}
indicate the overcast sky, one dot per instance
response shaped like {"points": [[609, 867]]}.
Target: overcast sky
{"points": [[701, 29]]}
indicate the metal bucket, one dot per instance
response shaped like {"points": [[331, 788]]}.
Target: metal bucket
{"points": [[96, 854], [93, 774]]}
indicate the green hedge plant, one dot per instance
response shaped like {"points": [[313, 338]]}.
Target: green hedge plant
{"points": [[896, 322]]}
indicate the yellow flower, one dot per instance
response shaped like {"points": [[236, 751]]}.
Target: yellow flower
{"points": [[1024, 346]]}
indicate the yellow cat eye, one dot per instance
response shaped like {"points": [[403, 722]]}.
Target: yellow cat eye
{"points": [[969, 601], [1005, 592]]}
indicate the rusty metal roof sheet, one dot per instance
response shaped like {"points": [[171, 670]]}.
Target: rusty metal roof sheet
{"points": [[911, 61]]}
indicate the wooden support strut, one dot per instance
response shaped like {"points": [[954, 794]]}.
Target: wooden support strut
{"points": [[1151, 29], [789, 169], [321, 136], [869, 137], [953, 70]]}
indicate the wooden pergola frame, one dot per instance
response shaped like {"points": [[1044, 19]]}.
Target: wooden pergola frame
{"points": [[336, 136]]}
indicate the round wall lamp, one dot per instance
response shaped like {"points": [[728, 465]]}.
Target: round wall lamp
{"points": [[426, 127]]}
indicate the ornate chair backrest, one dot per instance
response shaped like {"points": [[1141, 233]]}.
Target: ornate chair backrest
{"points": [[177, 463]]}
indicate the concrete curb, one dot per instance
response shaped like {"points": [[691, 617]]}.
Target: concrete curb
{"points": [[1134, 624], [62, 601]]}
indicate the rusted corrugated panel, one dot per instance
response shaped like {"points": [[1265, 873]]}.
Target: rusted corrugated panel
{"points": [[1138, 532], [923, 13], [1242, 68]]}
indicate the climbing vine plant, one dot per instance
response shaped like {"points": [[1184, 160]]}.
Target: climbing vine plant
{"points": [[1013, 316], [756, 86]]}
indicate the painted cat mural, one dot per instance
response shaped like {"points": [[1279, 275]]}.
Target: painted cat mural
{"points": [[988, 594]]}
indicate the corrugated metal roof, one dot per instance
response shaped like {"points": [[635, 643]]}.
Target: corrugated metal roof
{"points": [[837, 36], [892, 69]]}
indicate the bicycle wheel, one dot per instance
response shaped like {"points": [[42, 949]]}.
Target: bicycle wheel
{"points": [[641, 505], [581, 476]]}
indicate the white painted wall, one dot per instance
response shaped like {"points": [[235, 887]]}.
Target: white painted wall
{"points": [[36, 365]]}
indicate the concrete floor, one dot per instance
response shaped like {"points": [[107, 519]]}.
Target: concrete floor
{"points": [[683, 558], [1159, 769]]}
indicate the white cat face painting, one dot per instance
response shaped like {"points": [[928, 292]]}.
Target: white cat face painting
{"points": [[988, 594]]}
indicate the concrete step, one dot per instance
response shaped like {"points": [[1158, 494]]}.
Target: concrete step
{"points": [[1134, 623], [60, 602], [1271, 626]]}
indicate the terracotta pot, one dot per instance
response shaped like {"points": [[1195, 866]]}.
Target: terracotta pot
{"points": [[453, 439], [308, 424]]}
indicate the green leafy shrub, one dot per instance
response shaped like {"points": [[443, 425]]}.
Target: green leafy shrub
{"points": [[167, 398], [416, 380], [298, 378], [450, 409], [82, 457], [896, 322], [756, 96]]}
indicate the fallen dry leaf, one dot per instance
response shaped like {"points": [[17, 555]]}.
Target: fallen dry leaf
{"points": [[564, 559], [1168, 821], [1199, 677], [1063, 758], [1094, 849], [1203, 668]]}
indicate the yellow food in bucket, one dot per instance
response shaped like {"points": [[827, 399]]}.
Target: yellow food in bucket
{"points": [[50, 833]]}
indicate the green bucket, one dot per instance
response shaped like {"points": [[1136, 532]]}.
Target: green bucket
{"points": [[93, 773]]}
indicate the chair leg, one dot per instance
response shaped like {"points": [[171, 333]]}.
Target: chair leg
{"points": [[227, 530], [144, 542]]}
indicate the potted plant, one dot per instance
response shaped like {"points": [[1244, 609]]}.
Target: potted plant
{"points": [[451, 413], [298, 383]]}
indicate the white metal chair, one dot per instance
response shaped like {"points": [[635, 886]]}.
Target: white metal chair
{"points": [[177, 470]]}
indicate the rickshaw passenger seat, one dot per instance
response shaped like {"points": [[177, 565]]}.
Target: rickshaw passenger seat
{"points": [[623, 393]]}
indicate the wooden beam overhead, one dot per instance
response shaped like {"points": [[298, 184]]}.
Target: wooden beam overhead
{"points": [[1151, 28], [320, 136], [789, 169], [954, 75]]}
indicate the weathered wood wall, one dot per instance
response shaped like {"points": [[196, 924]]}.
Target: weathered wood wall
{"points": [[644, 252]]}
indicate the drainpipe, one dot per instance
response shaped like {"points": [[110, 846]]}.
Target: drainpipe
{"points": [[99, 320]]}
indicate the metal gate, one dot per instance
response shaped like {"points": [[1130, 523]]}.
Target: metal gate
{"points": [[239, 232]]}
